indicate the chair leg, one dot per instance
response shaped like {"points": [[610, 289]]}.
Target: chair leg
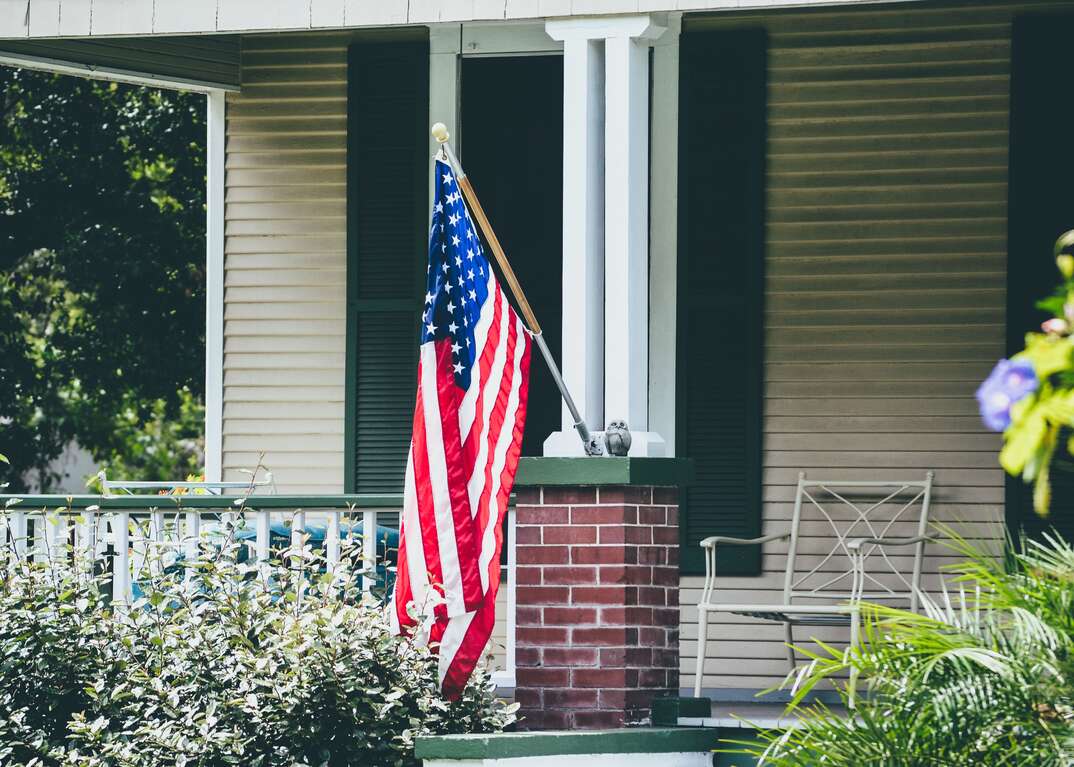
{"points": [[855, 628], [788, 632], [702, 639]]}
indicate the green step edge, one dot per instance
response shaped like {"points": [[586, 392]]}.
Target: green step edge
{"points": [[644, 740]]}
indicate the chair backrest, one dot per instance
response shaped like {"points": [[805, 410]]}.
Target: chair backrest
{"points": [[828, 514], [112, 487]]}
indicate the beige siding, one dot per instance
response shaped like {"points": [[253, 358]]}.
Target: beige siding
{"points": [[885, 261], [285, 261]]}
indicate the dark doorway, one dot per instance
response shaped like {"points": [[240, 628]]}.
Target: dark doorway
{"points": [[1041, 207], [512, 147]]}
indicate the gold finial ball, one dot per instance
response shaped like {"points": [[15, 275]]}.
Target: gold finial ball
{"points": [[440, 132]]}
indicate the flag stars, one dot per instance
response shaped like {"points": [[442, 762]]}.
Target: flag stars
{"points": [[473, 295], [452, 328], [455, 348], [451, 307], [458, 262], [458, 368], [448, 178], [455, 240], [431, 328], [429, 298], [453, 219]]}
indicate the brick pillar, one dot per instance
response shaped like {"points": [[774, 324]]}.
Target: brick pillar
{"points": [[597, 634]]}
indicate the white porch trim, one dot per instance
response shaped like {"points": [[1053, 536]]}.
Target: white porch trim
{"points": [[215, 157], [92, 71]]}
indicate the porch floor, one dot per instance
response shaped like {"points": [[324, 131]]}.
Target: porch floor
{"points": [[746, 716]]}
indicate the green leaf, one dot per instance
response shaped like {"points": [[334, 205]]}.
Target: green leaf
{"points": [[1023, 438], [1048, 354]]}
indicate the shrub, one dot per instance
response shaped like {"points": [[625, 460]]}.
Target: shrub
{"points": [[221, 663], [990, 681]]}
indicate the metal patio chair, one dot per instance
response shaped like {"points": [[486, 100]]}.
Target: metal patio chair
{"points": [[824, 585]]}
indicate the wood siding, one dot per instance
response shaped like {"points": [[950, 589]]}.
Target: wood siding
{"points": [[885, 258], [285, 262]]}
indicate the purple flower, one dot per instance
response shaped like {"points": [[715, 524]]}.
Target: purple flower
{"points": [[1009, 382]]}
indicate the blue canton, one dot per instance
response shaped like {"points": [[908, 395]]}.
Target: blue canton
{"points": [[457, 276]]}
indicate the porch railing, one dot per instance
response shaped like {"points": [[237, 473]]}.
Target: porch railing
{"points": [[121, 532]]}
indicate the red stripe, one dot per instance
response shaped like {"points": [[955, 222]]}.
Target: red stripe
{"points": [[471, 649], [488, 354], [467, 541], [403, 594], [499, 411], [480, 630], [423, 487]]}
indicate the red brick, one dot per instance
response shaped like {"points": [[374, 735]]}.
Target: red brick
{"points": [[554, 699], [652, 555], [673, 597], [570, 656], [613, 534], [604, 637], [527, 496], [528, 697], [528, 616], [652, 637], [652, 596], [543, 595], [668, 617], [626, 616], [570, 575], [599, 720], [613, 700], [570, 534], [634, 657], [663, 658], [527, 534], [604, 515], [673, 555], [545, 720], [570, 495], [604, 595], [570, 616], [604, 677], [631, 534], [540, 636], [652, 515], [543, 677], [665, 576], [613, 574], [652, 677], [602, 555], [627, 574], [528, 576], [542, 555], [626, 494], [669, 536], [542, 515], [527, 656], [673, 516], [669, 496]]}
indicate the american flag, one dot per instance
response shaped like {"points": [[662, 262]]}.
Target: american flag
{"points": [[473, 381]]}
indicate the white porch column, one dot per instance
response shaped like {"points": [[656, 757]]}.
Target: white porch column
{"points": [[626, 230], [215, 158], [582, 355]]}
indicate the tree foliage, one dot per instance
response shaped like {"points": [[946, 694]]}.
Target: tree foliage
{"points": [[102, 284]]}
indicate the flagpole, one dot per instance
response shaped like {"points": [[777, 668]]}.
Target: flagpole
{"points": [[589, 443]]}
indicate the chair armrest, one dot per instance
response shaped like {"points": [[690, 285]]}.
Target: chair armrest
{"points": [[855, 544], [712, 540]]}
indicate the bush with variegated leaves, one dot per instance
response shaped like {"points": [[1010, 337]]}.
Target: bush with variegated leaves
{"points": [[221, 663]]}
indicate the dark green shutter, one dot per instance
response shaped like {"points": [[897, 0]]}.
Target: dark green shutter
{"points": [[722, 105], [1040, 208], [387, 219]]}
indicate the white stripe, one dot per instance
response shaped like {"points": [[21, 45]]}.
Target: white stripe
{"points": [[438, 483], [452, 641], [415, 553], [491, 388], [468, 406], [503, 442]]}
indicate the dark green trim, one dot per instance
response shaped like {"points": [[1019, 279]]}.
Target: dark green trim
{"points": [[508, 745], [659, 472], [666, 711], [221, 502]]}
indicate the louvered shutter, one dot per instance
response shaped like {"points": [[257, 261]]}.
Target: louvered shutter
{"points": [[721, 280], [1041, 207], [387, 213]]}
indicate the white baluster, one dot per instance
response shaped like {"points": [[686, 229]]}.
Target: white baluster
{"points": [[331, 541], [155, 544], [264, 535], [193, 538], [86, 541], [298, 536], [18, 534], [56, 537], [512, 571], [4, 529], [121, 564], [369, 548]]}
